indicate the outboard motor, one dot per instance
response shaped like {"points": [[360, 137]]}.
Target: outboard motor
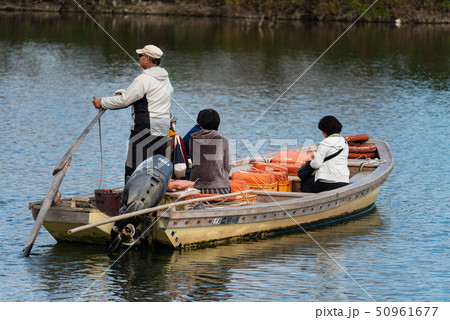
{"points": [[144, 189]]}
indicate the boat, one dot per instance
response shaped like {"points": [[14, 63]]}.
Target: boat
{"points": [[183, 224]]}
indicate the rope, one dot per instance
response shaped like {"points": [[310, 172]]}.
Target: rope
{"points": [[371, 161], [224, 200], [246, 198], [101, 152]]}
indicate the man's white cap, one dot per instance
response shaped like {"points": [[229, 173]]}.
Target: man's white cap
{"points": [[151, 51]]}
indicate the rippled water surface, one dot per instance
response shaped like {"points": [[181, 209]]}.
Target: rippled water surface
{"points": [[392, 83]]}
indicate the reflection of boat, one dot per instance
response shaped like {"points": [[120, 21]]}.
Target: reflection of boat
{"points": [[285, 244], [210, 274], [273, 210], [223, 272], [195, 275]]}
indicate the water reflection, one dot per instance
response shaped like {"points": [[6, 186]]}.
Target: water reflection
{"points": [[221, 273], [198, 41], [226, 272]]}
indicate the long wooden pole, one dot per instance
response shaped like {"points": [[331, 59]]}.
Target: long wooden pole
{"points": [[77, 143], [59, 172], [148, 210]]}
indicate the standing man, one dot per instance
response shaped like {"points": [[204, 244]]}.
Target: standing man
{"points": [[149, 96]]}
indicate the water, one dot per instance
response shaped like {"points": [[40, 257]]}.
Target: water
{"points": [[392, 83]]}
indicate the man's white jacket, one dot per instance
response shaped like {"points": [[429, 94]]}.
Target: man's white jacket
{"points": [[149, 95]]}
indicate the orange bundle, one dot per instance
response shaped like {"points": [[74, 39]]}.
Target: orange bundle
{"points": [[291, 160], [253, 176], [180, 184], [238, 185], [291, 157], [280, 173]]}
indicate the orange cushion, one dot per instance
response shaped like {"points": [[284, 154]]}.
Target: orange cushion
{"points": [[180, 184]]}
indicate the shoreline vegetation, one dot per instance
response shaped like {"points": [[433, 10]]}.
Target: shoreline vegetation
{"points": [[263, 11]]}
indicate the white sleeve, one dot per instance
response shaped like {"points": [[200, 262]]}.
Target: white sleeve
{"points": [[134, 92], [317, 162]]}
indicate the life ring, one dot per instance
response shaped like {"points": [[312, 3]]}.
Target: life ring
{"points": [[357, 137], [362, 155], [363, 148]]}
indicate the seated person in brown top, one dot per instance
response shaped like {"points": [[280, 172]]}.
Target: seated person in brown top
{"points": [[210, 154]]}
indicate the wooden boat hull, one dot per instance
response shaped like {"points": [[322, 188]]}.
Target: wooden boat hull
{"points": [[193, 228], [61, 218], [196, 231], [273, 212]]}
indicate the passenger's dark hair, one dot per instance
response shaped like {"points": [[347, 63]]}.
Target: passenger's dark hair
{"points": [[156, 61], [330, 125], [208, 119]]}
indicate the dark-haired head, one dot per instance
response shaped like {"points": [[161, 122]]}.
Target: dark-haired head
{"points": [[330, 125], [208, 119]]}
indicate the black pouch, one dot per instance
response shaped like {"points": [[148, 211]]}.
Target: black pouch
{"points": [[305, 171]]}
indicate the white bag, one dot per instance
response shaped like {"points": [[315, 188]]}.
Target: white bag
{"points": [[179, 162]]}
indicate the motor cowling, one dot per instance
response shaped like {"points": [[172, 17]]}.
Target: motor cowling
{"points": [[144, 189], [148, 183]]}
